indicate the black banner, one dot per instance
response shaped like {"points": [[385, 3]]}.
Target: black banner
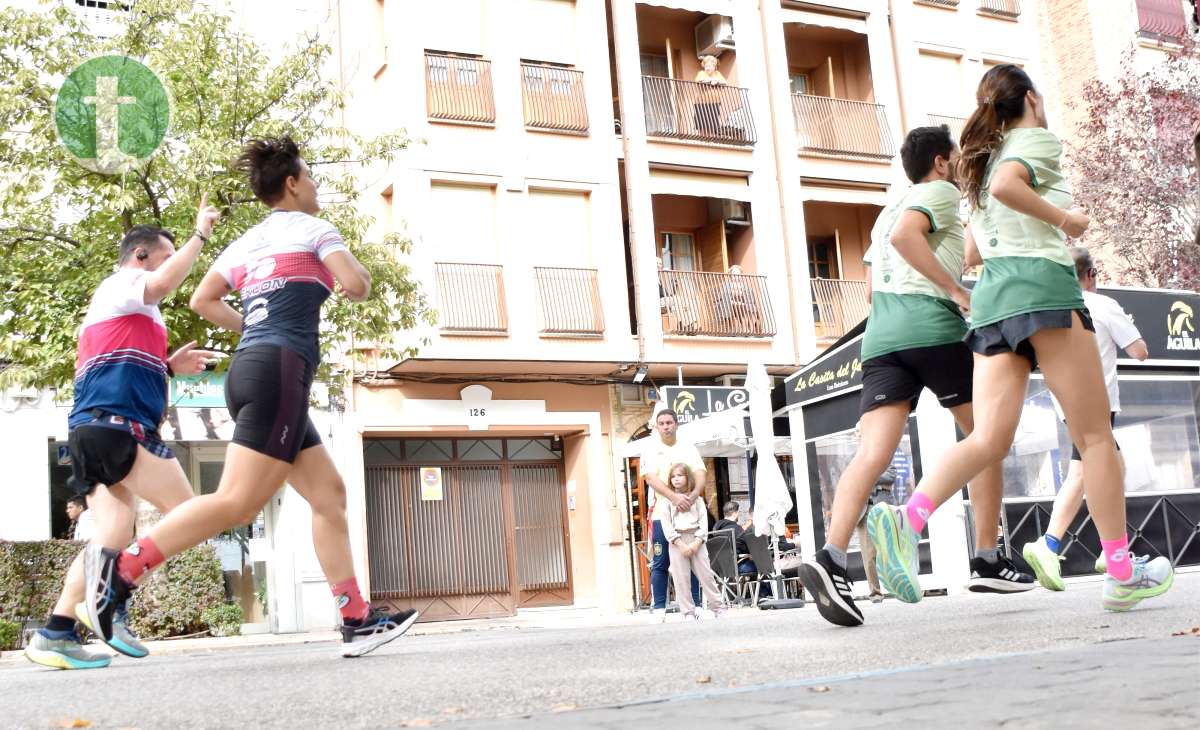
{"points": [[1169, 321], [694, 402]]}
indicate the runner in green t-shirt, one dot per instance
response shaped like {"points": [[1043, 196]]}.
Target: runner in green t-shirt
{"points": [[1027, 312], [913, 341]]}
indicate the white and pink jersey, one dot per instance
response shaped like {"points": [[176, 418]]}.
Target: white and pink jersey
{"points": [[121, 363], [278, 268]]}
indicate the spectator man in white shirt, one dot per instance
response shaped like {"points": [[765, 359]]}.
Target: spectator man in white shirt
{"points": [[1114, 330], [665, 451], [82, 526]]}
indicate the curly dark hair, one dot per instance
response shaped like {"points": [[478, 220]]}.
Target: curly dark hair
{"points": [[268, 163]]}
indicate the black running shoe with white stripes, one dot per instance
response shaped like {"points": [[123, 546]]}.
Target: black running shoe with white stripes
{"points": [[999, 577], [830, 588], [377, 629]]}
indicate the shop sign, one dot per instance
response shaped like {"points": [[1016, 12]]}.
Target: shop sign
{"points": [[692, 403], [431, 484], [838, 372], [206, 390]]}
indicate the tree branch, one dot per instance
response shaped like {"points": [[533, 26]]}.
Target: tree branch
{"points": [[41, 233], [143, 178]]}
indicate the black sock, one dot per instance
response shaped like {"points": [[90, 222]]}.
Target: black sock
{"points": [[60, 623]]}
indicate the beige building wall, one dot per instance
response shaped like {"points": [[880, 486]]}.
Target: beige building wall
{"points": [[807, 133]]}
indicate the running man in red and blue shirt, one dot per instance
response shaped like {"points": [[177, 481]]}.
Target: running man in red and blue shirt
{"points": [[120, 398], [284, 269]]}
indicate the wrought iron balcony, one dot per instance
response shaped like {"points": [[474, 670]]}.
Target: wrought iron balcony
{"points": [[842, 127], [700, 112], [569, 301], [838, 305], [459, 88], [471, 298], [553, 98], [709, 304]]}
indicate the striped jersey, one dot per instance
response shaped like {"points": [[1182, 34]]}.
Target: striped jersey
{"points": [[278, 268], [121, 362]]}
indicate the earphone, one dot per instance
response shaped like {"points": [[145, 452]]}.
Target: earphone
{"points": [[142, 255]]}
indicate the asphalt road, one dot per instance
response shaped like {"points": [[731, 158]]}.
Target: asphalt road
{"points": [[499, 675]]}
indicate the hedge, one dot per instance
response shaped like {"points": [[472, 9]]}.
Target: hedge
{"points": [[170, 603]]}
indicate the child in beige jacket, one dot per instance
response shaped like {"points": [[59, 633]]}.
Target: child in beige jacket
{"points": [[686, 532]]}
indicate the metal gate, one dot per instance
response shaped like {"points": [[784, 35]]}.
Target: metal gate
{"points": [[493, 540]]}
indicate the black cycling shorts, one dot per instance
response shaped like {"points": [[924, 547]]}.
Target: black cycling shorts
{"points": [[898, 377], [266, 392], [103, 450]]}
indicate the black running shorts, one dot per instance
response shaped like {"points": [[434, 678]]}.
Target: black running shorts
{"points": [[266, 391], [1112, 420], [898, 377], [103, 450], [1012, 334]]}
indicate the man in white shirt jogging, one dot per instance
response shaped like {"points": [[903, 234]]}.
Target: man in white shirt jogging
{"points": [[1114, 330]]}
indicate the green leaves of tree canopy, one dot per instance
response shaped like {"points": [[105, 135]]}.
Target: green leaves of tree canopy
{"points": [[60, 224]]}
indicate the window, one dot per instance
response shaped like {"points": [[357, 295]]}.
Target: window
{"points": [[655, 65], [822, 258], [1156, 428], [631, 393], [833, 454], [679, 252], [552, 77], [799, 82]]}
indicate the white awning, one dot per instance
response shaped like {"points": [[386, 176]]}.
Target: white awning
{"points": [[718, 435], [826, 20], [860, 196], [681, 182], [709, 7]]}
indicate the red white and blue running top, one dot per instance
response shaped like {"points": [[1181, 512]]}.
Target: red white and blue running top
{"points": [[121, 363], [278, 267]]}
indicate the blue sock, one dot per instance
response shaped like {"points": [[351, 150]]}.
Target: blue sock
{"points": [[56, 635], [1052, 542]]}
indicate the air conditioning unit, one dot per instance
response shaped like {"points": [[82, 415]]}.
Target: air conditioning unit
{"points": [[713, 35], [735, 212]]}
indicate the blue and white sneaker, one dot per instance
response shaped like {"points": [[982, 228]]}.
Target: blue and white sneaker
{"points": [[1150, 578], [105, 592], [897, 557], [123, 638], [66, 652], [377, 629]]}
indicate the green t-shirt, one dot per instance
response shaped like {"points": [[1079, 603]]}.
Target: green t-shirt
{"points": [[1027, 267], [907, 309]]}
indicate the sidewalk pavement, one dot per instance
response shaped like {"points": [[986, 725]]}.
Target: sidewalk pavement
{"points": [[1141, 683], [537, 618]]}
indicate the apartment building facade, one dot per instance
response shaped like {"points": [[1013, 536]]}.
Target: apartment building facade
{"points": [[596, 214]]}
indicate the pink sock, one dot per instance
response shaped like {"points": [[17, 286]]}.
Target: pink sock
{"points": [[350, 601], [1116, 557], [138, 559], [919, 508]]}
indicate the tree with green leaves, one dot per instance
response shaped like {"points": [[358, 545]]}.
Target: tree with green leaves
{"points": [[60, 223]]}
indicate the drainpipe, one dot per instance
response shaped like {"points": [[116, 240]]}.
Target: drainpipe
{"points": [[631, 190], [896, 71], [772, 84]]}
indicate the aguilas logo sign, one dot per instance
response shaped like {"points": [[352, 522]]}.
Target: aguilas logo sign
{"points": [[1181, 328]]}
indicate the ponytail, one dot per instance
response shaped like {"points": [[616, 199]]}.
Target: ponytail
{"points": [[1001, 99]]}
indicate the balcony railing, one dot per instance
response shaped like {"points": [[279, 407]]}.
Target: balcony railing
{"points": [[471, 298], [459, 88], [715, 305], [570, 301], [838, 305], [941, 3], [700, 112], [553, 98], [954, 123], [842, 127], [1004, 8]]}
